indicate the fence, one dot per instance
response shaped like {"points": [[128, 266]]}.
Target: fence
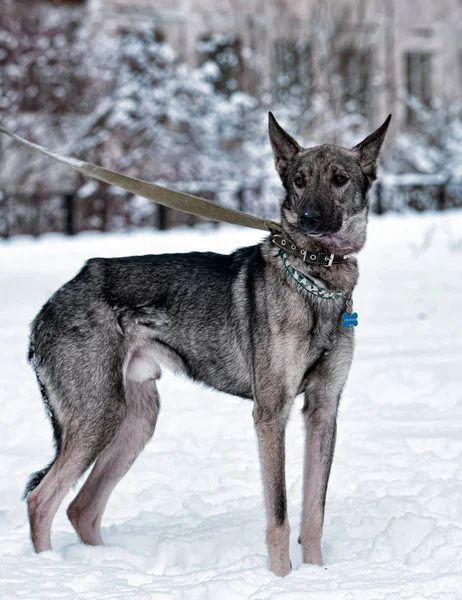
{"points": [[66, 212], [414, 191], [106, 208]]}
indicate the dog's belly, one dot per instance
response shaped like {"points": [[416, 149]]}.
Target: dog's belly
{"points": [[223, 369], [147, 361], [217, 360]]}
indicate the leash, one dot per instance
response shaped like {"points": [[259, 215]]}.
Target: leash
{"points": [[171, 198]]}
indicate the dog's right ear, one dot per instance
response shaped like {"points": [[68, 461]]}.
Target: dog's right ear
{"points": [[284, 146]]}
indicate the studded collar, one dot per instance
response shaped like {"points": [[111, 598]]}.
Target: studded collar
{"points": [[314, 258]]}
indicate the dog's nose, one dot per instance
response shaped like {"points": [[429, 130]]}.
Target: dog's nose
{"points": [[309, 220]]}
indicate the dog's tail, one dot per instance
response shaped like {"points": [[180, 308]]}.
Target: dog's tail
{"points": [[36, 478]]}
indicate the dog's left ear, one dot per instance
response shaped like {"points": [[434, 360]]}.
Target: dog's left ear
{"points": [[369, 150]]}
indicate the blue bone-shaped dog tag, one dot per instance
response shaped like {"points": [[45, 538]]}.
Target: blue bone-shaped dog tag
{"points": [[348, 320]]}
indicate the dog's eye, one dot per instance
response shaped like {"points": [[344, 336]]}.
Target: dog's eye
{"points": [[299, 181], [340, 180]]}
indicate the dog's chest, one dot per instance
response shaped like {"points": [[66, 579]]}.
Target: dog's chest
{"points": [[306, 330]]}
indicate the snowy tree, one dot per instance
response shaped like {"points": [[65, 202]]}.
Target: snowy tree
{"points": [[43, 59], [165, 121]]}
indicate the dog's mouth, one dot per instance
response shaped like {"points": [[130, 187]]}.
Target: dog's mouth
{"points": [[342, 242], [336, 240]]}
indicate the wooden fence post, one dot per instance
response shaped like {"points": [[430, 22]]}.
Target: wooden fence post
{"points": [[5, 233], [105, 212], [241, 199], [441, 200], [379, 198], [69, 209], [35, 215], [162, 218]]}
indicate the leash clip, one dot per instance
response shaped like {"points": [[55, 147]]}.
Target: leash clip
{"points": [[330, 260]]}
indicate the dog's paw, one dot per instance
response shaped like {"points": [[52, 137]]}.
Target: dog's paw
{"points": [[282, 566], [312, 557], [277, 538]]}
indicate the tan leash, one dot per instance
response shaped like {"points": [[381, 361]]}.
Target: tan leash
{"points": [[157, 193]]}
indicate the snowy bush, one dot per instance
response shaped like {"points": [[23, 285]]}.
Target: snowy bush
{"points": [[433, 145]]}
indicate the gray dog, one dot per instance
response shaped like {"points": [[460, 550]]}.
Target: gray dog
{"points": [[263, 323]]}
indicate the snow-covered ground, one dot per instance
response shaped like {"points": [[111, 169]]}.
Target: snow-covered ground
{"points": [[187, 522]]}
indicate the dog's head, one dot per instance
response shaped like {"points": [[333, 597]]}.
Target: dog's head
{"points": [[326, 200]]}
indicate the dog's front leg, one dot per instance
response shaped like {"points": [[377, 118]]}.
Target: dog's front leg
{"points": [[320, 414], [270, 427], [321, 428]]}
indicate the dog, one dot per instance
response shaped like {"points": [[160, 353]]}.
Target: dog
{"points": [[263, 323]]}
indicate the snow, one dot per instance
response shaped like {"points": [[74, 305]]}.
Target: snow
{"points": [[187, 522], [88, 189]]}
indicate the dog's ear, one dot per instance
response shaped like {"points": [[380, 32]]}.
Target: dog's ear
{"points": [[284, 146], [369, 150]]}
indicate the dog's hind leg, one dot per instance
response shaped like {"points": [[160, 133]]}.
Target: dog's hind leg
{"points": [[86, 414], [142, 401], [75, 456]]}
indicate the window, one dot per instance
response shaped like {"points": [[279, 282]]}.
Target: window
{"points": [[355, 70], [292, 71], [418, 81]]}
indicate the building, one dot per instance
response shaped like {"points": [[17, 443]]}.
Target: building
{"points": [[368, 56]]}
